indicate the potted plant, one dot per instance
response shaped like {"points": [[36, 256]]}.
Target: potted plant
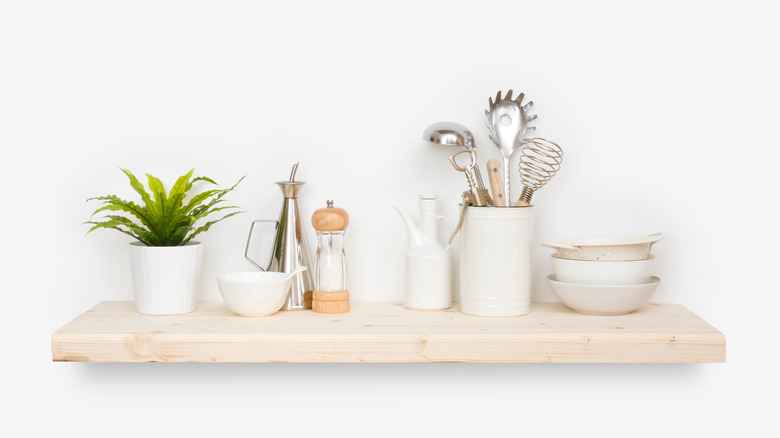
{"points": [[164, 260]]}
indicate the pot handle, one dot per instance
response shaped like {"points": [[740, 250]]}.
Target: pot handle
{"points": [[449, 225], [249, 239]]}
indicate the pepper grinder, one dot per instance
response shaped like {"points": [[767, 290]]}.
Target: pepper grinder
{"points": [[330, 268]]}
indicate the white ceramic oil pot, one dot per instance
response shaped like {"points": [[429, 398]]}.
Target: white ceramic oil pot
{"points": [[428, 284], [495, 261]]}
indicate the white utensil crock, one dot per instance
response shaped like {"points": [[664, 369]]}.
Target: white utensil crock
{"points": [[495, 261], [165, 278]]}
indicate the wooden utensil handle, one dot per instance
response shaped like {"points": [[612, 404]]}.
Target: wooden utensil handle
{"points": [[496, 186], [521, 203]]}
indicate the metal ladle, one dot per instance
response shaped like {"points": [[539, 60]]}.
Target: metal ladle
{"points": [[453, 134]]}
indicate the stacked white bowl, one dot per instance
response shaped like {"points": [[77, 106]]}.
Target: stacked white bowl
{"points": [[604, 275]]}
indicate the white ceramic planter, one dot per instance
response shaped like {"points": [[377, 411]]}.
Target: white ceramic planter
{"points": [[495, 261], [165, 278]]}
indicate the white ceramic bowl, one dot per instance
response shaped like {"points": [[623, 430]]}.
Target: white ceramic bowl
{"points": [[606, 248], [256, 293], [603, 299], [604, 272]]}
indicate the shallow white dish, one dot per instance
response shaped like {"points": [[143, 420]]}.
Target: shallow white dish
{"points": [[603, 272], [606, 248], [603, 299], [256, 293]]}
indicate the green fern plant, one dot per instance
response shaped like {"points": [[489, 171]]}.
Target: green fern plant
{"points": [[164, 219]]}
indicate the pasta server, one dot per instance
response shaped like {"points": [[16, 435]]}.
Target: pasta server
{"points": [[508, 124]]}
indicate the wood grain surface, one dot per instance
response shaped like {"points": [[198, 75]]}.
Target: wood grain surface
{"points": [[388, 332]]}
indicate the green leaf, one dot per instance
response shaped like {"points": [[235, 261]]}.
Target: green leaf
{"points": [[113, 203], [116, 225], [164, 219], [231, 189], [199, 212], [142, 233], [214, 210], [149, 205], [197, 199], [208, 225], [161, 200], [179, 229], [179, 189], [139, 188], [200, 178], [180, 234]]}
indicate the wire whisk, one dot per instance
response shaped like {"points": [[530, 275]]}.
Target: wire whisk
{"points": [[539, 161]]}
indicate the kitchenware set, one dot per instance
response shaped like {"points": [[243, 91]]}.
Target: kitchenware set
{"points": [[289, 271], [604, 275], [495, 244], [508, 126]]}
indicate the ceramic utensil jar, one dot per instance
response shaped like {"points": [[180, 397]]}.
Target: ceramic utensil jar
{"points": [[495, 261], [330, 268]]}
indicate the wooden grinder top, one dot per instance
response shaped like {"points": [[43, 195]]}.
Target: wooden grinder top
{"points": [[330, 218]]}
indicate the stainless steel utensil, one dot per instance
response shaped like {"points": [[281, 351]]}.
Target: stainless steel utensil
{"points": [[508, 124], [453, 134], [290, 249], [539, 162], [473, 196], [480, 196]]}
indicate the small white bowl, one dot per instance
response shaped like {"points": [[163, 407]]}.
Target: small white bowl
{"points": [[256, 293], [603, 272], [603, 299], [606, 248]]}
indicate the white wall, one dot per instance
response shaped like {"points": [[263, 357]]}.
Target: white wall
{"points": [[665, 112]]}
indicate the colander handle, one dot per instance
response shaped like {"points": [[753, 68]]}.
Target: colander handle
{"points": [[560, 245], [656, 237]]}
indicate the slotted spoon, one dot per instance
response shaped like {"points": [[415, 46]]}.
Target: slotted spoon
{"points": [[508, 124]]}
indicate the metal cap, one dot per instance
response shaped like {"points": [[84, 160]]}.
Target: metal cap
{"points": [[290, 189]]}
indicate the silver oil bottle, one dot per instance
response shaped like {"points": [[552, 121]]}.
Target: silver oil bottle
{"points": [[290, 249]]}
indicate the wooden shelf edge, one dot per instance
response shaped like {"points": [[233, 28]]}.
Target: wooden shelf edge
{"points": [[389, 333]]}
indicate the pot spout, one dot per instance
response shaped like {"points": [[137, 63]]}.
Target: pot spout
{"points": [[415, 235]]}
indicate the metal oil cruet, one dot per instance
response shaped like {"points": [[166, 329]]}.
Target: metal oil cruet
{"points": [[290, 249]]}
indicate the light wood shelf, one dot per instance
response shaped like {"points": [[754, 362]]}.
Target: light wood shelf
{"points": [[388, 332]]}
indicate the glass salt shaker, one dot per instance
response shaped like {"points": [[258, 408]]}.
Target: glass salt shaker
{"points": [[330, 268]]}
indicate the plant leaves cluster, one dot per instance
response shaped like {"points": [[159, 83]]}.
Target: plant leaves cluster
{"points": [[163, 218]]}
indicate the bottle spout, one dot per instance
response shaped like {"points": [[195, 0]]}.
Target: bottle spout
{"points": [[415, 235]]}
